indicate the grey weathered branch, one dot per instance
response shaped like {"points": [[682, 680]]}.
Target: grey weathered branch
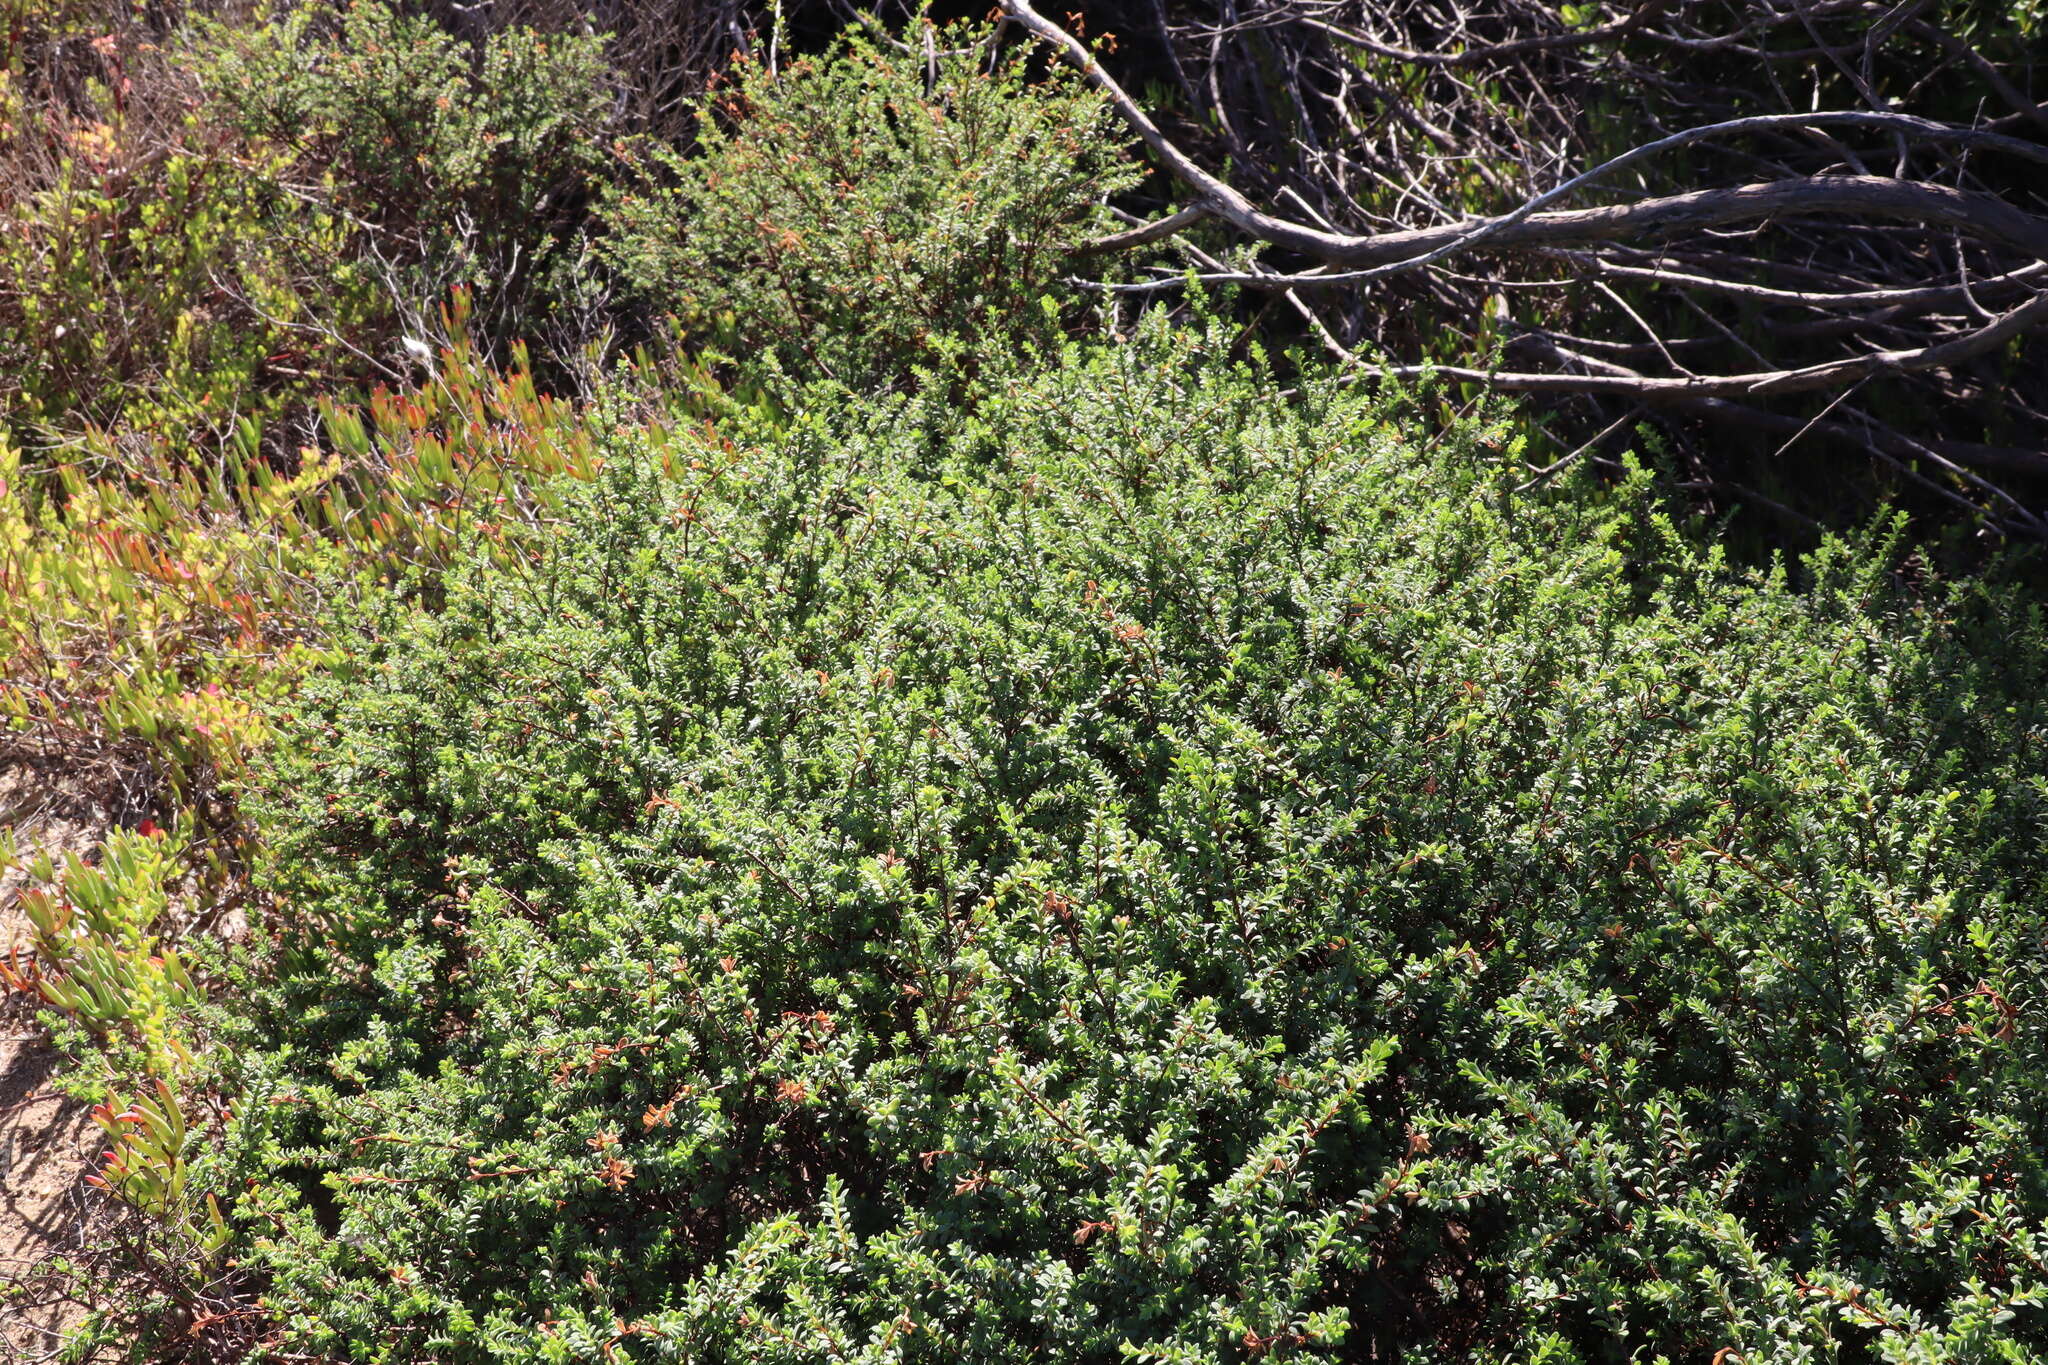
{"points": [[1923, 296], [1658, 388], [1144, 234]]}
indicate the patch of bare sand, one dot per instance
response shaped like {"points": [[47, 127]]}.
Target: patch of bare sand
{"points": [[47, 1142]]}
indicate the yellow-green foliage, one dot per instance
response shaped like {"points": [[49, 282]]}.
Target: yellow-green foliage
{"points": [[470, 452], [101, 953], [158, 606], [146, 1165], [167, 604], [98, 942]]}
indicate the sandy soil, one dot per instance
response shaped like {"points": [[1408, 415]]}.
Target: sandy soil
{"points": [[47, 1143]]}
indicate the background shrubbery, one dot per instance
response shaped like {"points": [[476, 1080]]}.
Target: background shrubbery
{"points": [[453, 166], [874, 210], [296, 201]]}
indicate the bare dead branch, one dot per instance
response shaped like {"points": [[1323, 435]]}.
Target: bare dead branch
{"points": [[1654, 388], [1146, 233]]}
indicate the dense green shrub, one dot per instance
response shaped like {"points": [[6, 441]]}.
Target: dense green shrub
{"points": [[1151, 870], [876, 208]]}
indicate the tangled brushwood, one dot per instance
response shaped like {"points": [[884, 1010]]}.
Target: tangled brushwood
{"points": [[768, 684], [1796, 237]]}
